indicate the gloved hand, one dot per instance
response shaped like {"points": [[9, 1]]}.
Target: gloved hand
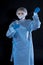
{"points": [[37, 9], [16, 26], [35, 14]]}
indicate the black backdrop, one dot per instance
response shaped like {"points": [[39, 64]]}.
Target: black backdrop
{"points": [[7, 15]]}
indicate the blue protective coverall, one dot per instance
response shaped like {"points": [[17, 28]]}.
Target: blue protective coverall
{"points": [[22, 45]]}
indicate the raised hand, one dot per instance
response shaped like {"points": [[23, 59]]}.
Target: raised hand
{"points": [[37, 9]]}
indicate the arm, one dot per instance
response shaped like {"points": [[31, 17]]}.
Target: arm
{"points": [[11, 31], [35, 24]]}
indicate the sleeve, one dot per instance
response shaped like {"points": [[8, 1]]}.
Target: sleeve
{"points": [[11, 31], [35, 23]]}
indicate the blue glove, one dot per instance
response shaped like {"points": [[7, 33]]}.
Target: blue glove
{"points": [[37, 10], [16, 26]]}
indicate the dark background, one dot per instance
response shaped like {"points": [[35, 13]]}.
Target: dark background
{"points": [[7, 15]]}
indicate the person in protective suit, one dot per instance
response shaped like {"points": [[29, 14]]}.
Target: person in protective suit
{"points": [[21, 33]]}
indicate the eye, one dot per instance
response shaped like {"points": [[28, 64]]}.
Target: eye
{"points": [[22, 13], [18, 13]]}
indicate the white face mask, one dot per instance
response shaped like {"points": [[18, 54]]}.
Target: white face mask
{"points": [[21, 17]]}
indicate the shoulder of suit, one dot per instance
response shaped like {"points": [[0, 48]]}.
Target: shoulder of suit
{"points": [[13, 22]]}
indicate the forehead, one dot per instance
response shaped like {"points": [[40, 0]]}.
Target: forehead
{"points": [[20, 11]]}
